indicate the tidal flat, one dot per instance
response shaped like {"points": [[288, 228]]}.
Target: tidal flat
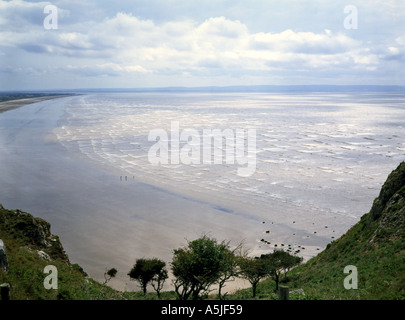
{"points": [[81, 163]]}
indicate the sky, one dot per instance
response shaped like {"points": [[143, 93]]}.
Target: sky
{"points": [[150, 43]]}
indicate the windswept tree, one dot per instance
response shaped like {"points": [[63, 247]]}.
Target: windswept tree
{"points": [[229, 266], [254, 270], [109, 274], [198, 266], [280, 262], [149, 270], [160, 276], [267, 265]]}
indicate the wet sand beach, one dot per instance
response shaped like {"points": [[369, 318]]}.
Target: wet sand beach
{"points": [[81, 163], [17, 103], [102, 219]]}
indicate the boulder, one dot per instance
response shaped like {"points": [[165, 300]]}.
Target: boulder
{"points": [[43, 255]]}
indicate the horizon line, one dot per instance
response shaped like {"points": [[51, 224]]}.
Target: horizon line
{"points": [[219, 89]]}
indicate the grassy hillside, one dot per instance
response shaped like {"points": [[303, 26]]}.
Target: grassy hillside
{"points": [[375, 246], [30, 247]]}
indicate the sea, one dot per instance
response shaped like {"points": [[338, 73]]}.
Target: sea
{"points": [[128, 175]]}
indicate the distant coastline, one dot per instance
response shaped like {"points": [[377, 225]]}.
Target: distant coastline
{"points": [[219, 89], [17, 102]]}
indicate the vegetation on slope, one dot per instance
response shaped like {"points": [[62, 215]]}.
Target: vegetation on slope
{"points": [[375, 246], [30, 247]]}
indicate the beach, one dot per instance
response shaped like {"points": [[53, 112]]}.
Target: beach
{"points": [[103, 221], [17, 103], [80, 162]]}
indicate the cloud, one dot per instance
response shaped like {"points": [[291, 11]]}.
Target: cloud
{"points": [[222, 28], [304, 42], [185, 46], [124, 44], [21, 16], [101, 70]]}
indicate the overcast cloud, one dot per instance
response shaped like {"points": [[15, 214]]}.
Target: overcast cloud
{"points": [[125, 44]]}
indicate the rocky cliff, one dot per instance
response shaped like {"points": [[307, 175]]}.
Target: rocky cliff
{"points": [[35, 232], [388, 209], [28, 247]]}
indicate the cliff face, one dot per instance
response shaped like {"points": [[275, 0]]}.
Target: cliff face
{"points": [[391, 193], [388, 209], [28, 247], [31, 231]]}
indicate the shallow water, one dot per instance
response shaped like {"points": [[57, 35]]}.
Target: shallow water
{"points": [[82, 163]]}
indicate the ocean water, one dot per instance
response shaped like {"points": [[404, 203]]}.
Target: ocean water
{"points": [[82, 163]]}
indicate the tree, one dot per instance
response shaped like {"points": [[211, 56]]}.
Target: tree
{"points": [[280, 261], [160, 276], [291, 262], [254, 270], [147, 270], [229, 266], [198, 266], [108, 274]]}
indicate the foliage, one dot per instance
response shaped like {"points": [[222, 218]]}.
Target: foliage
{"points": [[375, 245], [228, 266], [254, 270], [199, 265], [280, 262], [109, 274], [160, 277], [24, 236], [148, 270]]}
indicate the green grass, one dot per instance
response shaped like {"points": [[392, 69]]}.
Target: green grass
{"points": [[26, 277], [380, 265], [22, 235], [381, 270], [375, 246]]}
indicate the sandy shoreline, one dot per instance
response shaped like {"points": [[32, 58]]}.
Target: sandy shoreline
{"points": [[106, 221], [101, 221], [17, 103]]}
